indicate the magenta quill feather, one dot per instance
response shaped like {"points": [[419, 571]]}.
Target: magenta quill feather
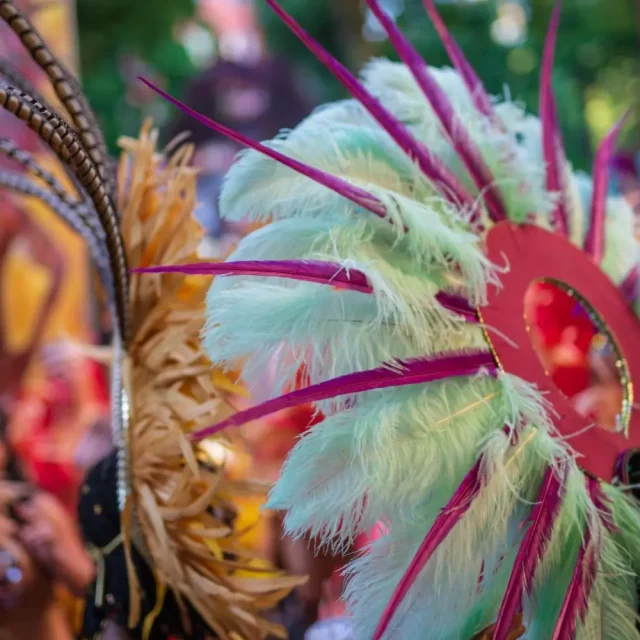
{"points": [[629, 286], [603, 504], [576, 600], [392, 374], [480, 97], [462, 143], [310, 271], [328, 273], [552, 145], [458, 305], [594, 242], [343, 188], [429, 164], [543, 518], [452, 513]]}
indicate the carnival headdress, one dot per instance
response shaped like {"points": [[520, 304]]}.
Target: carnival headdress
{"points": [[407, 225], [174, 501]]}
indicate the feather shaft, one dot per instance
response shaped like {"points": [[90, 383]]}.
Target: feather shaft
{"points": [[458, 305], [595, 241], [357, 195], [552, 145], [328, 273], [396, 374], [543, 518], [629, 286], [576, 600], [455, 129], [429, 164], [306, 270], [478, 93], [452, 513]]}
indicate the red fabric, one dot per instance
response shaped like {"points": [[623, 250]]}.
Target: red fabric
{"points": [[563, 333], [306, 416], [58, 478], [554, 312], [98, 379], [42, 412]]}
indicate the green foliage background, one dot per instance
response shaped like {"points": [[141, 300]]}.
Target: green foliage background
{"points": [[597, 72], [109, 31]]}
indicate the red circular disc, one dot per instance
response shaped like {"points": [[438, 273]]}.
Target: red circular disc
{"points": [[533, 254]]}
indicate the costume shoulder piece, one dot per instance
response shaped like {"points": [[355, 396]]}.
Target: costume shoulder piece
{"points": [[159, 512], [408, 224]]}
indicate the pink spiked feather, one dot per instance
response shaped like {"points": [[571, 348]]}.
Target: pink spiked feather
{"points": [[543, 518], [576, 600], [595, 241], [474, 85], [394, 374], [458, 305], [310, 271], [452, 513], [603, 504], [343, 188], [329, 273], [552, 145], [629, 286], [430, 165], [462, 142]]}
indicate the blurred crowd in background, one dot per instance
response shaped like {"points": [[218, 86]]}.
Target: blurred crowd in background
{"points": [[233, 60]]}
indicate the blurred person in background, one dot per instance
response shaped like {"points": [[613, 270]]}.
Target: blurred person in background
{"points": [[245, 89], [41, 551], [52, 419], [47, 416], [40, 548]]}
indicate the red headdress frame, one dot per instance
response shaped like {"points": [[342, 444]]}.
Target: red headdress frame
{"points": [[534, 254]]}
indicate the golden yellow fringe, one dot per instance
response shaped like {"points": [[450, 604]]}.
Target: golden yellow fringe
{"points": [[174, 390]]}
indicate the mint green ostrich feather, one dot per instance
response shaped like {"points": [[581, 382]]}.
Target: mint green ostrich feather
{"points": [[398, 455]]}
